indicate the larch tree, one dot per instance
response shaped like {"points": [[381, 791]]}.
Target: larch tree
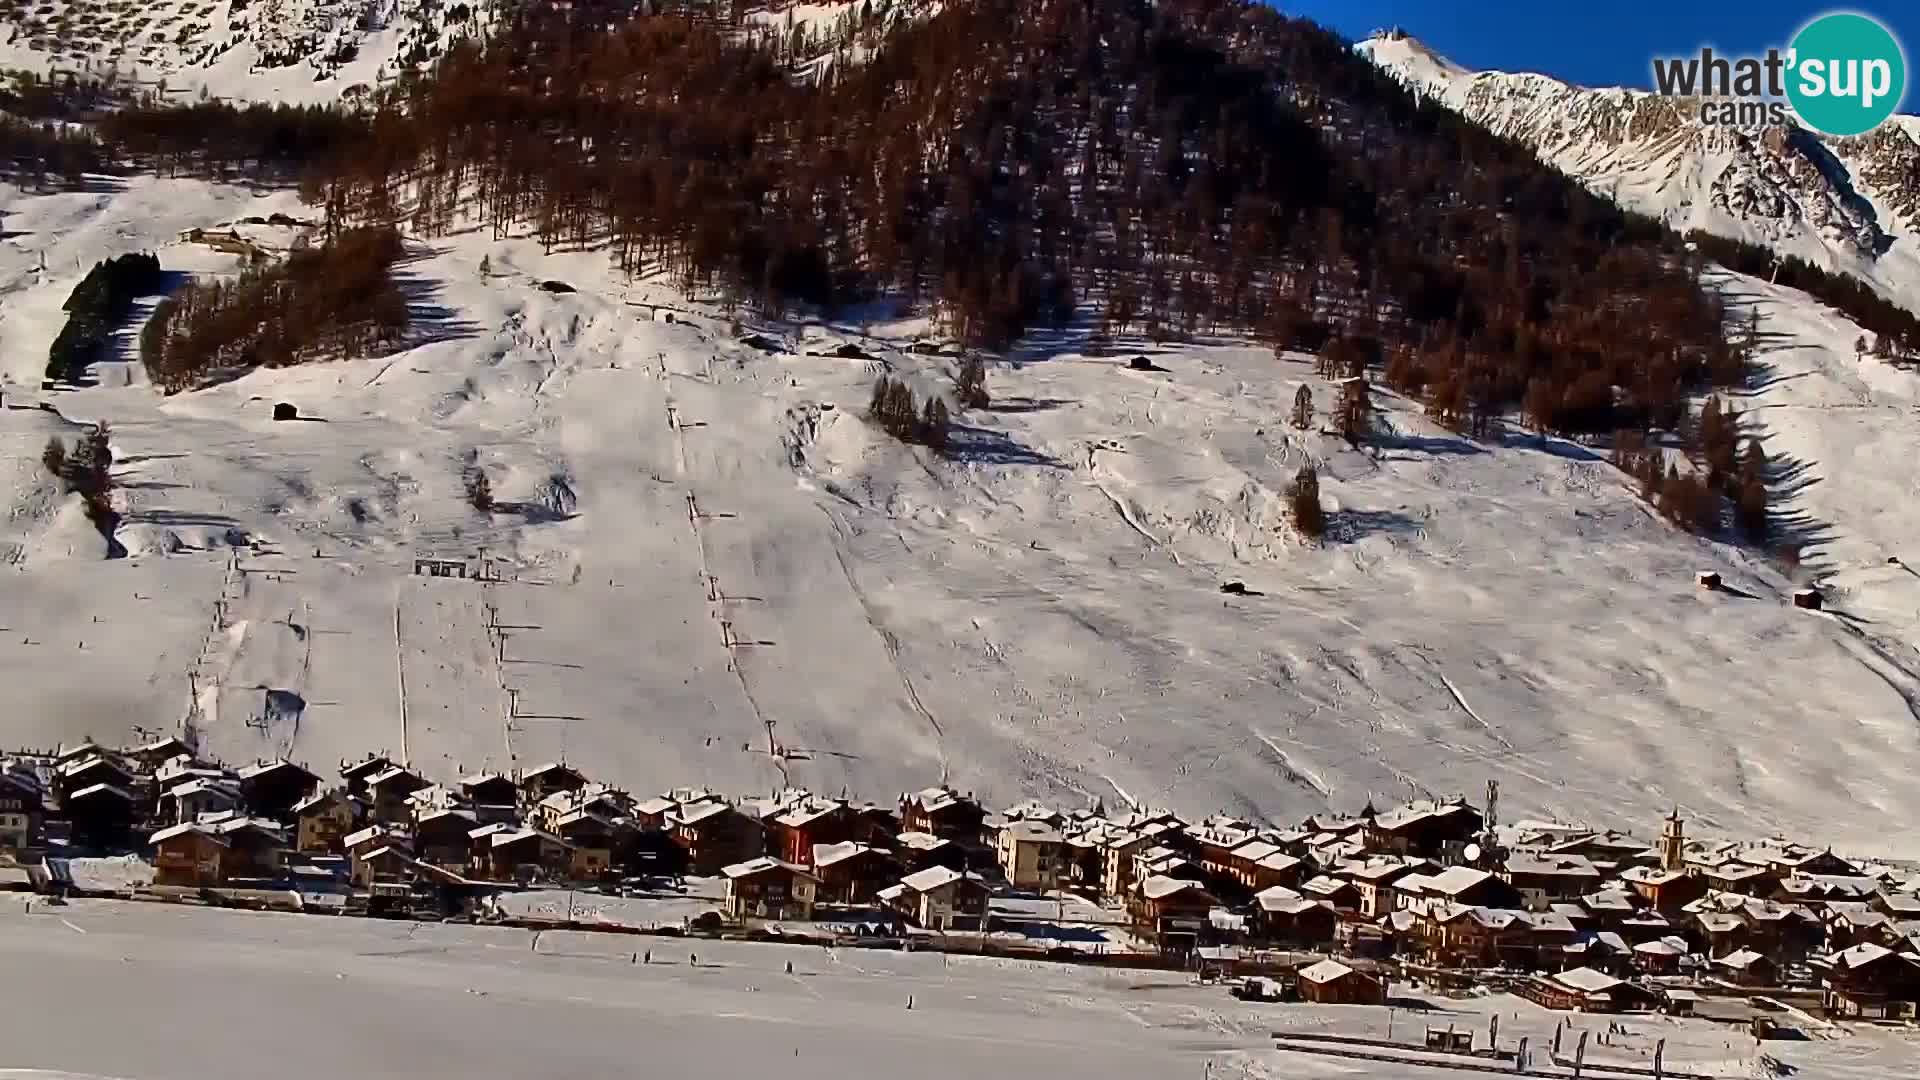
{"points": [[1302, 415]]}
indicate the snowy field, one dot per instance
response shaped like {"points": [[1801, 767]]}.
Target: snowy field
{"points": [[152, 992], [700, 543]]}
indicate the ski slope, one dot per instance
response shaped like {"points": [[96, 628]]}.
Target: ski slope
{"points": [[705, 552]]}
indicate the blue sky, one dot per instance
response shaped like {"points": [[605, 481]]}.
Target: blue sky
{"points": [[1608, 43]]}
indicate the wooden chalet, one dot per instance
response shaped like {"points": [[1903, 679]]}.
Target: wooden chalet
{"points": [[1280, 916], [1438, 830], [939, 898], [1870, 982], [714, 834], [388, 793], [358, 773], [527, 854], [272, 789], [22, 811], [323, 821], [1747, 968], [795, 831], [198, 798], [1331, 982], [543, 780], [766, 888], [203, 854], [1584, 989], [1545, 880], [440, 836], [1170, 913], [491, 797], [944, 813], [1665, 891], [101, 816], [852, 873]]}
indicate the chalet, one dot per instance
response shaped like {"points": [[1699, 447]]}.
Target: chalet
{"points": [[1336, 893], [322, 821], [714, 834], [539, 782], [101, 815], [939, 898], [388, 791], [765, 888], [1849, 924], [358, 773], [385, 864], [1584, 989], [1280, 916], [919, 850], [1459, 885], [374, 836], [1747, 968], [1331, 982], [441, 837], [1661, 956], [492, 797], [795, 831], [151, 755], [527, 854], [1664, 890], [1613, 848], [1082, 860], [90, 770], [21, 810], [1030, 854], [1438, 830], [1608, 908], [184, 770], [1870, 982], [1722, 932], [651, 814], [1170, 913], [272, 788], [1543, 881], [593, 835], [852, 873], [1456, 935], [187, 856], [197, 798], [1373, 880], [1796, 860], [1118, 853], [201, 854], [943, 812]]}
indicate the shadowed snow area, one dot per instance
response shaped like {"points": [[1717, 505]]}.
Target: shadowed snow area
{"points": [[696, 539]]}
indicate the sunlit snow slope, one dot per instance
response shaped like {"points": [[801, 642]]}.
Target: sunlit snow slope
{"points": [[698, 540]]}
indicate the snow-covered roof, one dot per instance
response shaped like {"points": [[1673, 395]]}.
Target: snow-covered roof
{"points": [[808, 812], [657, 805], [92, 790], [262, 768], [1587, 980], [1455, 880], [1662, 947], [921, 841], [760, 866], [1030, 832], [183, 829], [933, 877], [1255, 850], [825, 855], [1159, 887], [1325, 971], [1561, 866], [1859, 956], [1739, 961], [694, 813], [1651, 875]]}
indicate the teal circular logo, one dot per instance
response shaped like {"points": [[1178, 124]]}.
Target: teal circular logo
{"points": [[1848, 74]]}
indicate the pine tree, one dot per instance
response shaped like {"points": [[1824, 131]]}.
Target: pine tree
{"points": [[486, 266], [54, 457], [970, 385], [1302, 416], [933, 423], [1540, 405], [478, 488], [1355, 410], [1303, 499]]}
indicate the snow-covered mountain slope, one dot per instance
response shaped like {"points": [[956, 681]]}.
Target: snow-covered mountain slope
{"points": [[291, 51], [701, 543], [1846, 204]]}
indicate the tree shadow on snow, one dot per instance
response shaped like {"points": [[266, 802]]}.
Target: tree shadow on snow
{"points": [[1350, 526], [1028, 405], [982, 446]]}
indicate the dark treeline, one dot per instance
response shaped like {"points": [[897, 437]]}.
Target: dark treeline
{"points": [[95, 307], [337, 300], [1176, 168], [1182, 168]]}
